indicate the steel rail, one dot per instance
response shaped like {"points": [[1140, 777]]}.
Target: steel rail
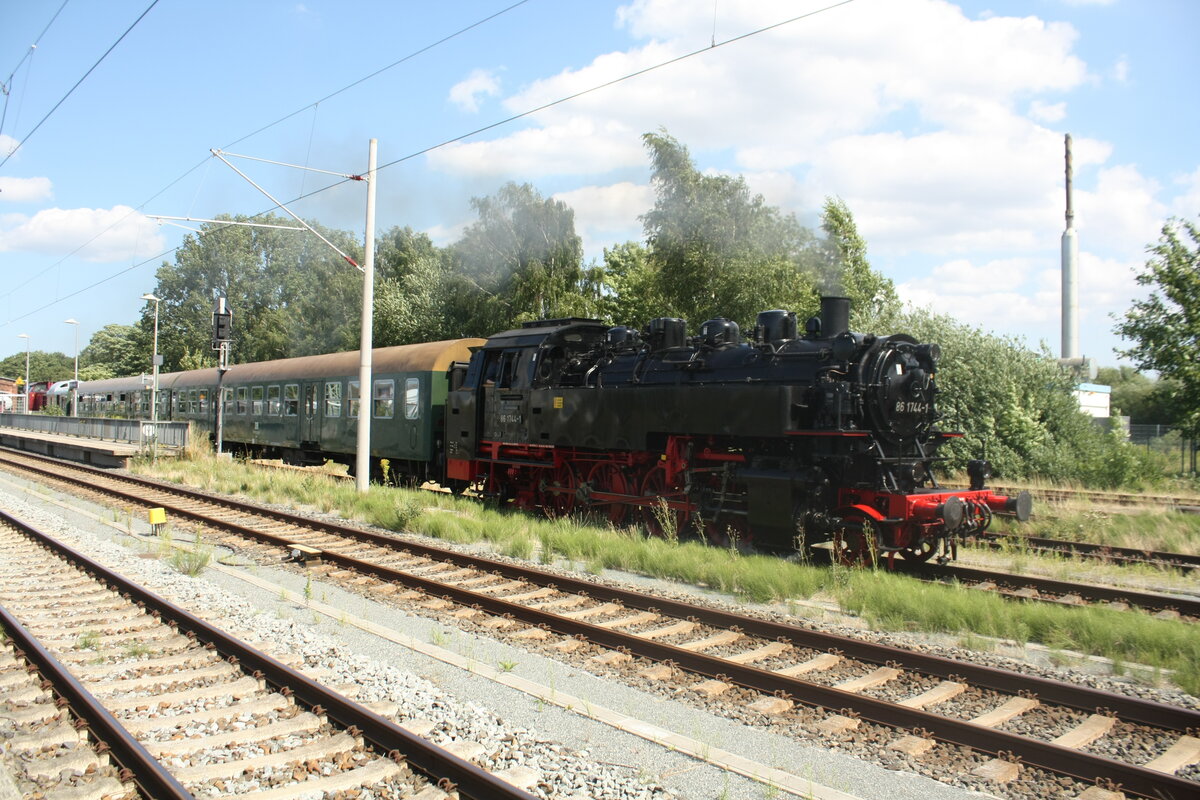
{"points": [[1084, 698], [470, 780], [1054, 758], [1187, 606], [1104, 552], [151, 777]]}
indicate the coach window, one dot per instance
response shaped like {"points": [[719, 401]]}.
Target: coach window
{"points": [[274, 405], [194, 401], [227, 399], [242, 405], [256, 401], [385, 399], [203, 408], [333, 400], [352, 397], [291, 400], [412, 398]]}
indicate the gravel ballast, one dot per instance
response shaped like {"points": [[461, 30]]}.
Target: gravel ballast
{"points": [[576, 756]]}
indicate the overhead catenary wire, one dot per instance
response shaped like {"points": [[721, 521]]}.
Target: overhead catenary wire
{"points": [[208, 159], [7, 86], [528, 112], [71, 91]]}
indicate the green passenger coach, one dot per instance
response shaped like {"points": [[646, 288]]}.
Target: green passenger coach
{"points": [[306, 410]]}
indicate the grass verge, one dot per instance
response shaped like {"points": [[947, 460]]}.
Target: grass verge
{"points": [[889, 602]]}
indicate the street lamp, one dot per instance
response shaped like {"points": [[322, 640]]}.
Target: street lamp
{"points": [[154, 390], [25, 336], [75, 389]]}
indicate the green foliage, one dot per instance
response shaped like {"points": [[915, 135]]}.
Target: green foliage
{"points": [[412, 281], [1144, 400], [716, 250], [872, 295], [1016, 408], [291, 295], [1165, 327], [43, 366], [116, 349], [521, 260]]}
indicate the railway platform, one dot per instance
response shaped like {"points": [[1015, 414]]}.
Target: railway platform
{"points": [[75, 440]]}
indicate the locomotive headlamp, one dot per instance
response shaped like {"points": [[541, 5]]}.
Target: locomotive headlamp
{"points": [[930, 354], [978, 471]]}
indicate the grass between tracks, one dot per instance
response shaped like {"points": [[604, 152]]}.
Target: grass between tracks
{"points": [[887, 601]]}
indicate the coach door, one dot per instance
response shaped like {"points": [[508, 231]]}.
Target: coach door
{"points": [[310, 426]]}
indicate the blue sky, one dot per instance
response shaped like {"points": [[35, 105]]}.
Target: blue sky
{"points": [[940, 124]]}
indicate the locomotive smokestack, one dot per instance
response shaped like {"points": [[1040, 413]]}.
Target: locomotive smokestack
{"points": [[835, 316]]}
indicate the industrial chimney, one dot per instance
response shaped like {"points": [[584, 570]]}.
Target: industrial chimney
{"points": [[1070, 275]]}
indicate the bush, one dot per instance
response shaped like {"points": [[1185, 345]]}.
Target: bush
{"points": [[1017, 408]]}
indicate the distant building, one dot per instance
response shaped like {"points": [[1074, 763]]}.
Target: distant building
{"points": [[1094, 399]]}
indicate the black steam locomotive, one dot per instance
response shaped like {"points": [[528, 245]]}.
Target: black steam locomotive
{"points": [[783, 442]]}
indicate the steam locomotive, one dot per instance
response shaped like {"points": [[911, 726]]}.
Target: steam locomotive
{"points": [[785, 442]]}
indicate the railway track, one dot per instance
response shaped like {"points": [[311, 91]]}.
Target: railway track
{"points": [[824, 685], [1186, 504], [1101, 552], [183, 708]]}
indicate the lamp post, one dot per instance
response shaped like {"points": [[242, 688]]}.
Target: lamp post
{"points": [[25, 336], [154, 389], [75, 389]]}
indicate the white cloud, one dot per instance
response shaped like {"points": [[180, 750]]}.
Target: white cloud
{"points": [[1120, 70], [1122, 214], [7, 144], [106, 235], [25, 190], [607, 215], [577, 146], [466, 93], [1186, 205], [1047, 112]]}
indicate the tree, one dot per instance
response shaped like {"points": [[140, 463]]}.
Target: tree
{"points": [[717, 250], [43, 367], [521, 260], [115, 350], [872, 295], [1166, 326], [1144, 400], [291, 294], [411, 295]]}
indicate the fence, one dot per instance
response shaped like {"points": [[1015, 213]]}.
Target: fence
{"points": [[1168, 441], [134, 431]]}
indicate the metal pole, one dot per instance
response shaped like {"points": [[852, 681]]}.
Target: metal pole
{"points": [[1070, 271], [222, 367], [154, 392], [362, 462], [25, 336], [75, 389]]}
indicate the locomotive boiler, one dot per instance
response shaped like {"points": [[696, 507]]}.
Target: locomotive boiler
{"points": [[825, 438]]}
